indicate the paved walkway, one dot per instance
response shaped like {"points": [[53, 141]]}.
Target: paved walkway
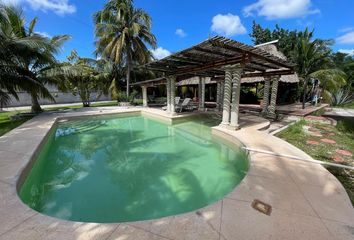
{"points": [[294, 109], [340, 112], [308, 202]]}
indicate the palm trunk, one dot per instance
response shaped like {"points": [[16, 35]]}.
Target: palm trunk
{"points": [[304, 93], [35, 108], [129, 68]]}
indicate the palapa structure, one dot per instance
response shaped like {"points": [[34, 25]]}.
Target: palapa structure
{"points": [[226, 61]]}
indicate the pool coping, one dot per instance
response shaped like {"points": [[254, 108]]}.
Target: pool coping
{"points": [[329, 210]]}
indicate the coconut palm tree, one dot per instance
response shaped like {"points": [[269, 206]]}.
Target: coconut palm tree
{"points": [[313, 61], [27, 55], [123, 33], [11, 75]]}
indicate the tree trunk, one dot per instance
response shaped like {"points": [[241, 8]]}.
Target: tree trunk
{"points": [[85, 97], [304, 93], [35, 108], [129, 68]]}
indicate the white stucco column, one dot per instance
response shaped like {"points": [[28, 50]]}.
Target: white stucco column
{"points": [[266, 95], [222, 88], [227, 97], [173, 94], [235, 105], [168, 91], [218, 95], [145, 100], [201, 95], [273, 98]]}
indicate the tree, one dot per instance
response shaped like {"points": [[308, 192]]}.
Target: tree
{"points": [[287, 39], [12, 77], [312, 58], [123, 33], [345, 62], [27, 56], [84, 76]]}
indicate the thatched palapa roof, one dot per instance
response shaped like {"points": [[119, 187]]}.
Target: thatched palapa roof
{"points": [[271, 47]]}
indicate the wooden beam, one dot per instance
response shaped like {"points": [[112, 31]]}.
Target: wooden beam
{"points": [[208, 51], [270, 73], [254, 53], [186, 60], [211, 65], [198, 57]]}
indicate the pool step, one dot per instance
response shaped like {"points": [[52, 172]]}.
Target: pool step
{"points": [[78, 127]]}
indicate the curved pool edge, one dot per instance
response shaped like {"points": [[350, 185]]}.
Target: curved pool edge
{"points": [[227, 217], [24, 188]]}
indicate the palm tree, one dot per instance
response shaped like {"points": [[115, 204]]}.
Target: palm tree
{"points": [[11, 75], [84, 75], [312, 58], [123, 33], [28, 55]]}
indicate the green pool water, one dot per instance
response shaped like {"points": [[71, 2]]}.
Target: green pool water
{"points": [[129, 168]]}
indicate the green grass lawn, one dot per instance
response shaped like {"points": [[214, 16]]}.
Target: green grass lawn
{"points": [[347, 105], [7, 124], [342, 134]]}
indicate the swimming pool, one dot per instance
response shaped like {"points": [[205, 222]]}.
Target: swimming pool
{"points": [[111, 169]]}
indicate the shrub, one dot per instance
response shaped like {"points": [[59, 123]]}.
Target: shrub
{"points": [[346, 126], [342, 96]]}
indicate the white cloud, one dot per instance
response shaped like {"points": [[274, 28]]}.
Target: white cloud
{"points": [[160, 52], [180, 32], [277, 9], [347, 38], [60, 7], [347, 29], [350, 52], [228, 25]]}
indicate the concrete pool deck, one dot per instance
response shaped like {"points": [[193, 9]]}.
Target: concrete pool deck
{"points": [[307, 201]]}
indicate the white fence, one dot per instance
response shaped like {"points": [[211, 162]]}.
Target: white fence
{"points": [[60, 97]]}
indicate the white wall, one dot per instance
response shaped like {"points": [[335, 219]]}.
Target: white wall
{"points": [[60, 97]]}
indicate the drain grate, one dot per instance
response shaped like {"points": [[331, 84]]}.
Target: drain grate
{"points": [[262, 207]]}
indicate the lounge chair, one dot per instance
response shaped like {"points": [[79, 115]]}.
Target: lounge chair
{"points": [[177, 99], [184, 105]]}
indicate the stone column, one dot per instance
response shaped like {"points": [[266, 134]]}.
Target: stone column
{"points": [[273, 98], [227, 97], [201, 93], [266, 96], [236, 88], [222, 88], [145, 100], [168, 91], [218, 95], [173, 94]]}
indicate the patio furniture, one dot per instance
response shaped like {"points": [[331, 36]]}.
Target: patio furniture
{"points": [[177, 99], [186, 104]]}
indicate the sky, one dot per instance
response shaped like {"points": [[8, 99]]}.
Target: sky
{"points": [[178, 24]]}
